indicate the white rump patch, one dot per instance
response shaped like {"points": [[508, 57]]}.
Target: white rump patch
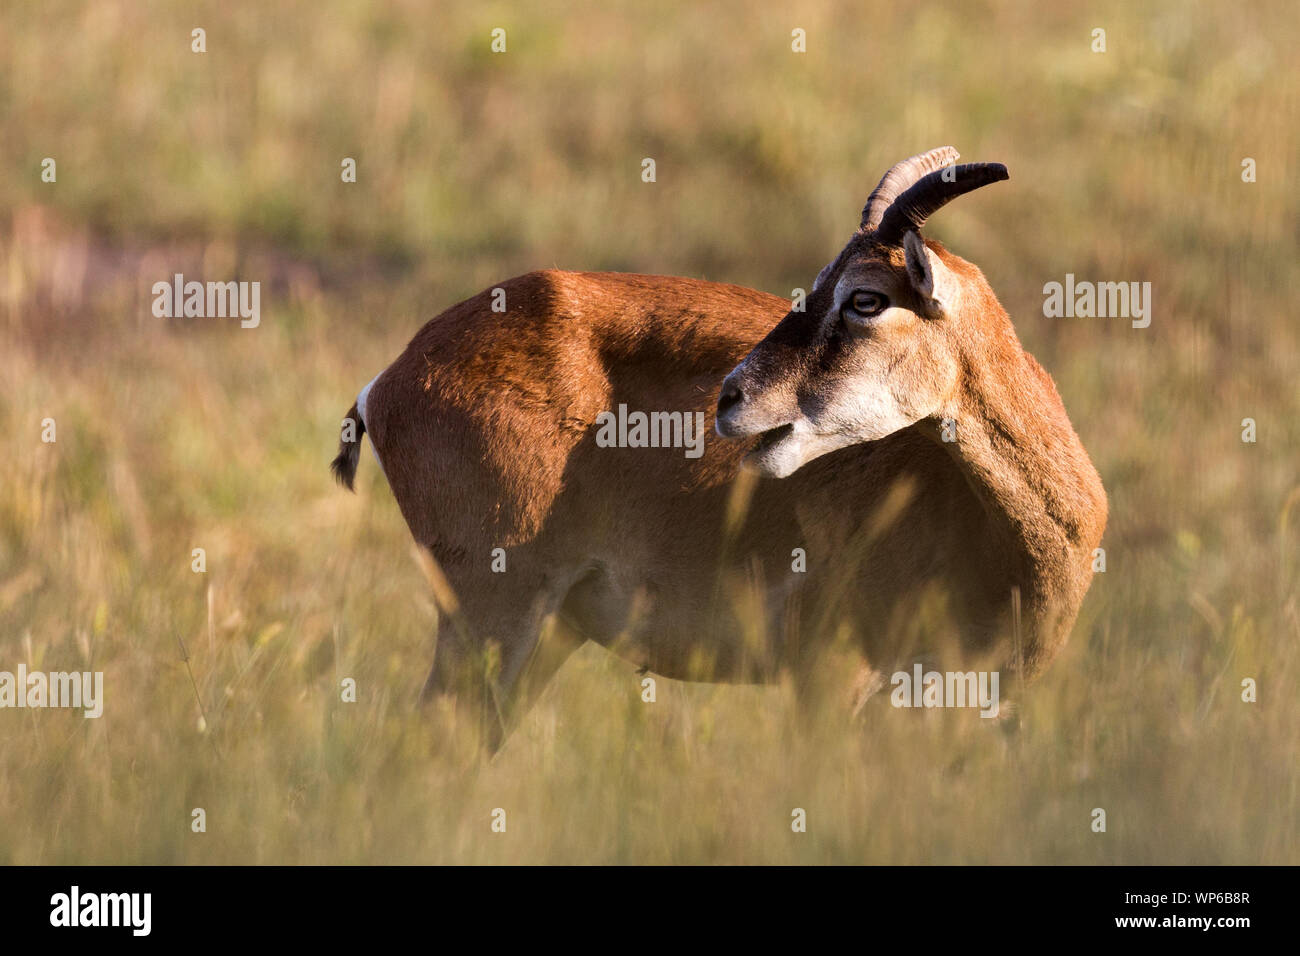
{"points": [[364, 394], [361, 410]]}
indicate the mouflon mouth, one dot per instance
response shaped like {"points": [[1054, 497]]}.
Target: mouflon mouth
{"points": [[778, 453], [771, 437]]}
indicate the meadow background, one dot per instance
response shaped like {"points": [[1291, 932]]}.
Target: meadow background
{"points": [[473, 167]]}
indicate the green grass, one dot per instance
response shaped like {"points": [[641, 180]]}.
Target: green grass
{"points": [[474, 167]]}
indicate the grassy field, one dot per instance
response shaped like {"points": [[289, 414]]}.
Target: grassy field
{"points": [[474, 166]]}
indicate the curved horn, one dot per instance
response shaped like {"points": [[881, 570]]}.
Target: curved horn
{"points": [[932, 192], [900, 177]]}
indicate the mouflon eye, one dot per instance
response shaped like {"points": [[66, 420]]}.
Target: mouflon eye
{"points": [[863, 304]]}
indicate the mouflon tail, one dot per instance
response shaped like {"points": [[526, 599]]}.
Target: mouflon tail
{"points": [[345, 465]]}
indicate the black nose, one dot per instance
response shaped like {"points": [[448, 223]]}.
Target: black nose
{"points": [[730, 397]]}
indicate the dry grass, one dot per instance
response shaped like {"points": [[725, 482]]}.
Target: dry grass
{"points": [[473, 168]]}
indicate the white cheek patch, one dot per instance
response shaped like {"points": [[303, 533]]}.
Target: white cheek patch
{"points": [[874, 412], [869, 409]]}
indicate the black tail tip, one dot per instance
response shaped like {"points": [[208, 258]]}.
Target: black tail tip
{"points": [[345, 466]]}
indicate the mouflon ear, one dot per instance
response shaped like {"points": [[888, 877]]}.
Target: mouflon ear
{"points": [[933, 282]]}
